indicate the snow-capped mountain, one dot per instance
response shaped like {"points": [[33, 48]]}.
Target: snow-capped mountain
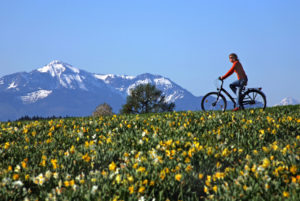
{"points": [[60, 89], [288, 101]]}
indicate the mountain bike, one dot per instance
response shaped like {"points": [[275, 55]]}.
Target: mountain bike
{"points": [[249, 98]]}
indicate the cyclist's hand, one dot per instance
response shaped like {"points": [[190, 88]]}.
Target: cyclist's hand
{"points": [[220, 78]]}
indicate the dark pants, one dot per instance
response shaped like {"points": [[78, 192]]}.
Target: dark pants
{"points": [[237, 87]]}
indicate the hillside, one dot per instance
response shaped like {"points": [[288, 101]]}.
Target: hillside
{"points": [[243, 155]]}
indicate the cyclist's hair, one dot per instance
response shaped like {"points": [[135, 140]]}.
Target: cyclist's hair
{"points": [[234, 55]]}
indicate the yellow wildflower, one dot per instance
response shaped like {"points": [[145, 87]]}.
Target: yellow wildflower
{"points": [[187, 160], [33, 133], [219, 175], [131, 189], [265, 149], [7, 145], [66, 183], [293, 169], [86, 158], [27, 177], [178, 177], [54, 163], [205, 189], [112, 166], [72, 182], [118, 178], [24, 164], [141, 169], [267, 186], [188, 168], [253, 169], [43, 163], [162, 175], [130, 179], [16, 176], [266, 163], [215, 188], [72, 149], [285, 194], [141, 189], [135, 165]]}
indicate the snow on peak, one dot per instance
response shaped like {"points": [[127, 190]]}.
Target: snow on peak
{"points": [[35, 96], [67, 75], [103, 77], [56, 68], [162, 81], [288, 101], [112, 76], [127, 77], [174, 96]]}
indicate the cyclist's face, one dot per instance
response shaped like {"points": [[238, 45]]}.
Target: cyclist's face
{"points": [[232, 59]]}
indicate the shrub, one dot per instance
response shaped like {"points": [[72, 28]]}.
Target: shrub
{"points": [[103, 110]]}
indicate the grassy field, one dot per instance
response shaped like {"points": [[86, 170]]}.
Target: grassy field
{"points": [[246, 155]]}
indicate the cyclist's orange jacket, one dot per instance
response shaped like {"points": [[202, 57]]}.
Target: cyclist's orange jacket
{"points": [[238, 69]]}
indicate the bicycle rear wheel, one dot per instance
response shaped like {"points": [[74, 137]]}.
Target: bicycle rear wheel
{"points": [[212, 101], [253, 99]]}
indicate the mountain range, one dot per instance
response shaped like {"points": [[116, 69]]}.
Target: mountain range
{"points": [[288, 101], [59, 89]]}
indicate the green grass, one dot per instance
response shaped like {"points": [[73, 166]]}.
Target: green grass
{"points": [[244, 155]]}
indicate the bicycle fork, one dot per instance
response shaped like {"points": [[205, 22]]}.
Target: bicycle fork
{"points": [[215, 103]]}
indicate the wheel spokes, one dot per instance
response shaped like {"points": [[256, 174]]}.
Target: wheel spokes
{"points": [[253, 100], [213, 102]]}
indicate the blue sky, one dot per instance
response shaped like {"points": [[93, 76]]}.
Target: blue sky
{"points": [[186, 41]]}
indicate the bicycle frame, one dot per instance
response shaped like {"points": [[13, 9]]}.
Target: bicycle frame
{"points": [[221, 89], [251, 98]]}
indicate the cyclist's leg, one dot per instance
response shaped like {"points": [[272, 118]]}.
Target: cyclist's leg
{"points": [[242, 83], [233, 86]]}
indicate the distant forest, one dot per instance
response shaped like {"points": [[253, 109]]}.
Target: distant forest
{"points": [[35, 118]]}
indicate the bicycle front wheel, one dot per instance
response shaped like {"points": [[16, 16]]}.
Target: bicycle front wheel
{"points": [[253, 99], [213, 101]]}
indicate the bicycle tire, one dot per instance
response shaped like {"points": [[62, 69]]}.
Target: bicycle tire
{"points": [[211, 96], [250, 100]]}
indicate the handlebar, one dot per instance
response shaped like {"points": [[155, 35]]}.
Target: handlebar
{"points": [[222, 81]]}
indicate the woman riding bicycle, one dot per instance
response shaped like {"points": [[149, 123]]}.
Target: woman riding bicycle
{"points": [[238, 85]]}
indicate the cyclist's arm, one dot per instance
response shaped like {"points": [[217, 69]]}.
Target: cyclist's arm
{"points": [[229, 72]]}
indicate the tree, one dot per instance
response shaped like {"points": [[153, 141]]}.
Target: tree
{"points": [[146, 98], [103, 110]]}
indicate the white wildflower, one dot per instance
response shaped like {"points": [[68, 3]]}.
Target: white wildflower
{"points": [[48, 174], [17, 168], [94, 189], [17, 183], [141, 198], [55, 175]]}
